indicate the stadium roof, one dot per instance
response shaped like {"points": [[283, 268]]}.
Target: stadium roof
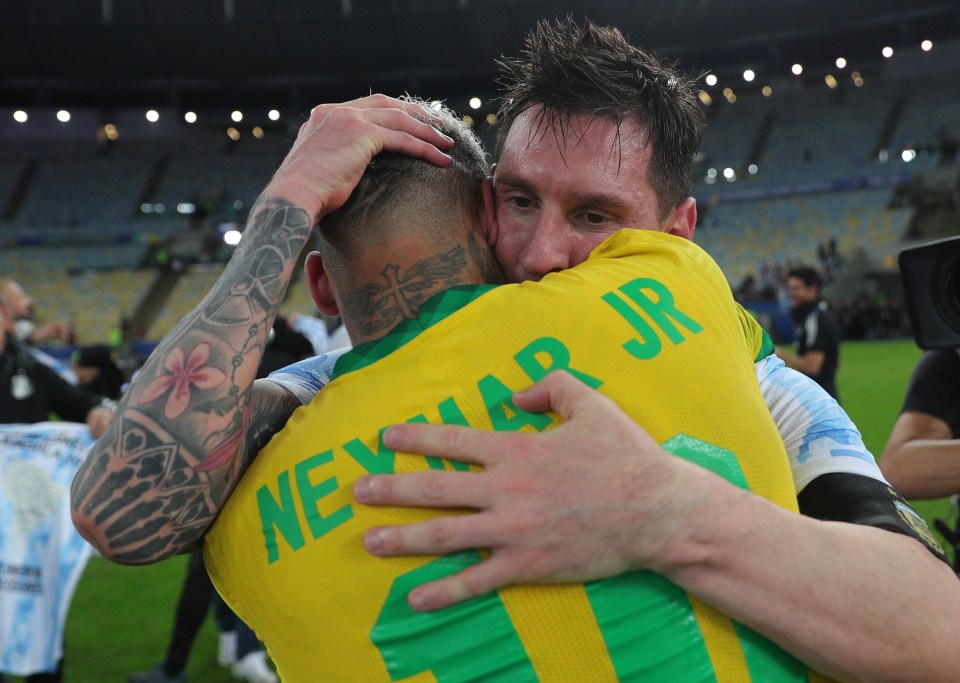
{"points": [[195, 53]]}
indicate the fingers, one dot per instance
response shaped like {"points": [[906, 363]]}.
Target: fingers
{"points": [[562, 392], [431, 489], [448, 441], [475, 580], [406, 118], [436, 536]]}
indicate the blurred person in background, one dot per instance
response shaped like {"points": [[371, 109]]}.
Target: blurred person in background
{"points": [[30, 391], [237, 648], [817, 332], [18, 307]]}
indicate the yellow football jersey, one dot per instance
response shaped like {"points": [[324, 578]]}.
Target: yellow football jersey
{"points": [[649, 320]]}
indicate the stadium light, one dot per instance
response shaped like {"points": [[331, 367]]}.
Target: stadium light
{"points": [[232, 237], [63, 116], [152, 116], [749, 75], [20, 116], [796, 69], [273, 115], [908, 155], [190, 117], [236, 116], [926, 45], [887, 52], [711, 79], [475, 103], [841, 62], [752, 169]]}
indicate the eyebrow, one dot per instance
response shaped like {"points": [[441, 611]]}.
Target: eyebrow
{"points": [[605, 201]]}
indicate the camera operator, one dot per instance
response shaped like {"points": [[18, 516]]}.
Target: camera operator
{"points": [[922, 455]]}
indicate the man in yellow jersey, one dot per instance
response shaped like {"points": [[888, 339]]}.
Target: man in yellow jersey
{"points": [[436, 342]]}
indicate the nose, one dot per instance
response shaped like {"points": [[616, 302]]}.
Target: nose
{"points": [[547, 249]]}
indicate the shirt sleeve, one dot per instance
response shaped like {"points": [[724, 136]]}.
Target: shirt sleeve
{"points": [[934, 388], [306, 378], [67, 401], [818, 435]]}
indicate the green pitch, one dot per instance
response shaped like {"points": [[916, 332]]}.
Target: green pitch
{"points": [[121, 617]]}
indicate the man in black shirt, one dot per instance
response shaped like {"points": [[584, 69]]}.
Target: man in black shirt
{"points": [[30, 391], [922, 455], [816, 331]]}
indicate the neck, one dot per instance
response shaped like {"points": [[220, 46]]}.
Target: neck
{"points": [[390, 286]]}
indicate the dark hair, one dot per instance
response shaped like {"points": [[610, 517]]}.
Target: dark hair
{"points": [[398, 192], [809, 275], [594, 70]]}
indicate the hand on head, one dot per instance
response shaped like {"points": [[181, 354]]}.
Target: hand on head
{"points": [[337, 142]]}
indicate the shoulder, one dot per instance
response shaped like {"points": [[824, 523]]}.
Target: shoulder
{"points": [[819, 436], [305, 379]]}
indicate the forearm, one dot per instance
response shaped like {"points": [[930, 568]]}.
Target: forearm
{"points": [[179, 440], [924, 468], [826, 592]]}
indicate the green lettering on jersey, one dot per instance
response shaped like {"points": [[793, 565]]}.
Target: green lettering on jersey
{"points": [[279, 516], [310, 495], [380, 462], [662, 309], [450, 414], [505, 416], [546, 354], [648, 344]]}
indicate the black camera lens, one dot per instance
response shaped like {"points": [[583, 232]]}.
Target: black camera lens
{"points": [[946, 294]]}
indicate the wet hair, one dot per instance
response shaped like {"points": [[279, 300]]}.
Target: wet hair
{"points": [[808, 275], [593, 70], [399, 193]]}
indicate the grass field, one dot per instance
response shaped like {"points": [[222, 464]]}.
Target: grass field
{"points": [[121, 616]]}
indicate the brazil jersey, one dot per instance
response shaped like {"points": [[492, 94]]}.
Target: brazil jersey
{"points": [[648, 320]]}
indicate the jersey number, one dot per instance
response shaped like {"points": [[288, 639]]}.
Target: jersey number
{"points": [[476, 640]]}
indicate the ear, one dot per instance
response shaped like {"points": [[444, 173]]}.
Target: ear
{"points": [[318, 281], [683, 221], [488, 212]]}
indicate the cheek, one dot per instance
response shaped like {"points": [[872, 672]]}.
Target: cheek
{"points": [[508, 256]]}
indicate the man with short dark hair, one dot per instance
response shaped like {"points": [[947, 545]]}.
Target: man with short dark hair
{"points": [[817, 332]]}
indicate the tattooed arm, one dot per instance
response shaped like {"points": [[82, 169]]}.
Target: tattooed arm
{"points": [[193, 418]]}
